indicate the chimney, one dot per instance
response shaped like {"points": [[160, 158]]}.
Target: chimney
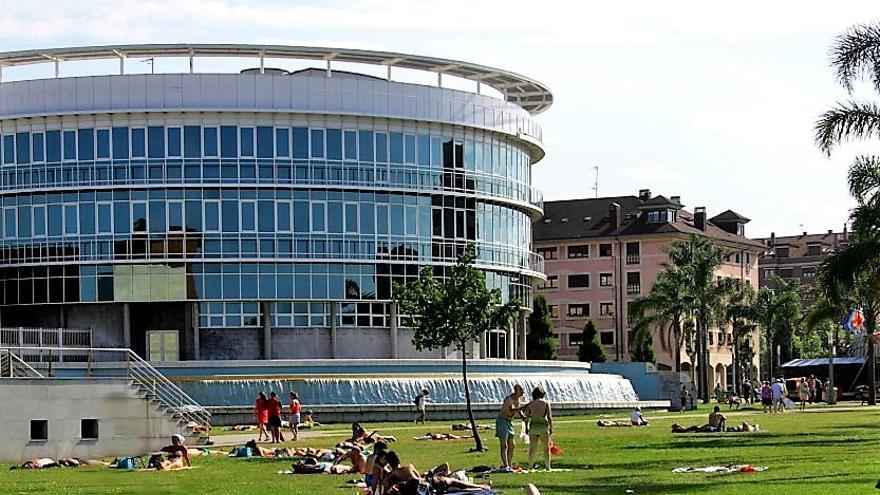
{"points": [[614, 217], [644, 194], [700, 218], [830, 231], [772, 239], [675, 199]]}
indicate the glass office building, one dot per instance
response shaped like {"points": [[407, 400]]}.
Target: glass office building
{"points": [[261, 214]]}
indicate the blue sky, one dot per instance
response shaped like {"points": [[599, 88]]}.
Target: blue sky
{"points": [[712, 102]]}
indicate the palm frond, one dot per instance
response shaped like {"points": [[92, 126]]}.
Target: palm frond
{"points": [[855, 54], [849, 120], [864, 179]]}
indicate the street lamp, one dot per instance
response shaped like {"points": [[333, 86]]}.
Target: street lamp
{"points": [[832, 397]]}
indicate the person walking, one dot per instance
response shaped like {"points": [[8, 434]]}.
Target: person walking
{"points": [[539, 419], [767, 396], [511, 408], [683, 398], [804, 393], [747, 391], [295, 415], [719, 393], [274, 408], [261, 414], [421, 406], [778, 389]]}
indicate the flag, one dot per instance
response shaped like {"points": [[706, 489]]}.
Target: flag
{"points": [[854, 321]]}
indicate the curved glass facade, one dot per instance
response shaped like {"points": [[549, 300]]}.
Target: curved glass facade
{"points": [[249, 223]]}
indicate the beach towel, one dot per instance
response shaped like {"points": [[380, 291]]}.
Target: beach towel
{"points": [[745, 468]]}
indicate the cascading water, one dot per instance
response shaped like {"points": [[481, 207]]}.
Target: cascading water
{"points": [[560, 387]]}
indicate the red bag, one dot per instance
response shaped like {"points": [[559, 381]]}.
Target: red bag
{"points": [[555, 450]]}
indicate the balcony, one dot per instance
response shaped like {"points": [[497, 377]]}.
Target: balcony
{"points": [[633, 259], [632, 289]]}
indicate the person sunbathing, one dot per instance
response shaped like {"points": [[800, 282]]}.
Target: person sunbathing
{"points": [[609, 423], [258, 451], [177, 456], [441, 436], [357, 459], [440, 480]]}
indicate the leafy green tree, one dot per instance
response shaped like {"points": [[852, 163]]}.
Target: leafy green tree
{"points": [[454, 311], [738, 312], [591, 349], [850, 277], [541, 340], [664, 307], [641, 345], [777, 311]]}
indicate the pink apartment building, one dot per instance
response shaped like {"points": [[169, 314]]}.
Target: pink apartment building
{"points": [[602, 253]]}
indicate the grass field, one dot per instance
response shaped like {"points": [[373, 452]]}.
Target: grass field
{"points": [[822, 451]]}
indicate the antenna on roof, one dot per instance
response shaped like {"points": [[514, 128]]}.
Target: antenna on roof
{"points": [[152, 62], [596, 182]]}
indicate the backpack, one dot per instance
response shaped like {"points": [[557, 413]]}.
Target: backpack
{"points": [[243, 452], [126, 463], [416, 399]]}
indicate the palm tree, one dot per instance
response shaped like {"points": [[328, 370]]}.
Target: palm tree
{"points": [[739, 314], [665, 307], [698, 259], [776, 311], [851, 276]]}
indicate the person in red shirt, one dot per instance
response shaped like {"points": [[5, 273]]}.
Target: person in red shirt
{"points": [[295, 411], [274, 408], [262, 414]]}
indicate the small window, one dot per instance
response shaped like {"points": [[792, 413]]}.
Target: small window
{"points": [[808, 272], [89, 429], [606, 338], [814, 250], [606, 309], [786, 272], [579, 251], [580, 281], [604, 250], [554, 310], [549, 253], [768, 273], [579, 310], [633, 283], [782, 252], [39, 430], [575, 339], [551, 283], [606, 279]]}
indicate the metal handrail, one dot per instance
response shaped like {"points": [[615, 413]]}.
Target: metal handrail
{"points": [[13, 366], [142, 374]]}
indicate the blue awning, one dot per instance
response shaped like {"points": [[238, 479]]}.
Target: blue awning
{"points": [[803, 363]]}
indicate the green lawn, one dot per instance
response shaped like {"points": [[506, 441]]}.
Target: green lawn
{"points": [[821, 452]]}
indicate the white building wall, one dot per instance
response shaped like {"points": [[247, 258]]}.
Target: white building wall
{"points": [[127, 423]]}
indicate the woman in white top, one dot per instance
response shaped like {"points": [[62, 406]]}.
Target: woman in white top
{"points": [[636, 418]]}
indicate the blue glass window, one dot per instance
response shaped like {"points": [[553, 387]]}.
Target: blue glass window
{"points": [[24, 221], [23, 148], [265, 144], [300, 216], [8, 149], [212, 216], [105, 218], [10, 223], [409, 148], [120, 214], [71, 219], [381, 147], [70, 145], [86, 147], [175, 216], [39, 214], [317, 142], [334, 217], [156, 142], [247, 141], [157, 217], [366, 146], [139, 217], [228, 141], [424, 149], [350, 145], [396, 147], [174, 147], [138, 143], [282, 142], [248, 216], [368, 220], [300, 142], [319, 220], [230, 216], [87, 218], [192, 141], [266, 216], [102, 137], [55, 220], [210, 141], [282, 209], [334, 144], [120, 143], [53, 146], [351, 217], [382, 220]]}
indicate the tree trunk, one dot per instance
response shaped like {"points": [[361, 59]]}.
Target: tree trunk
{"points": [[478, 443], [676, 329], [703, 332], [769, 355], [870, 324], [734, 362]]}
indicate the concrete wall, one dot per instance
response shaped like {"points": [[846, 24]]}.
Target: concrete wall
{"points": [[127, 423], [300, 343], [105, 321], [231, 343], [648, 382]]}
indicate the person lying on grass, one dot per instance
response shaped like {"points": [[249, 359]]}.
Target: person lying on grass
{"points": [[177, 456], [406, 479], [357, 459], [441, 436]]}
